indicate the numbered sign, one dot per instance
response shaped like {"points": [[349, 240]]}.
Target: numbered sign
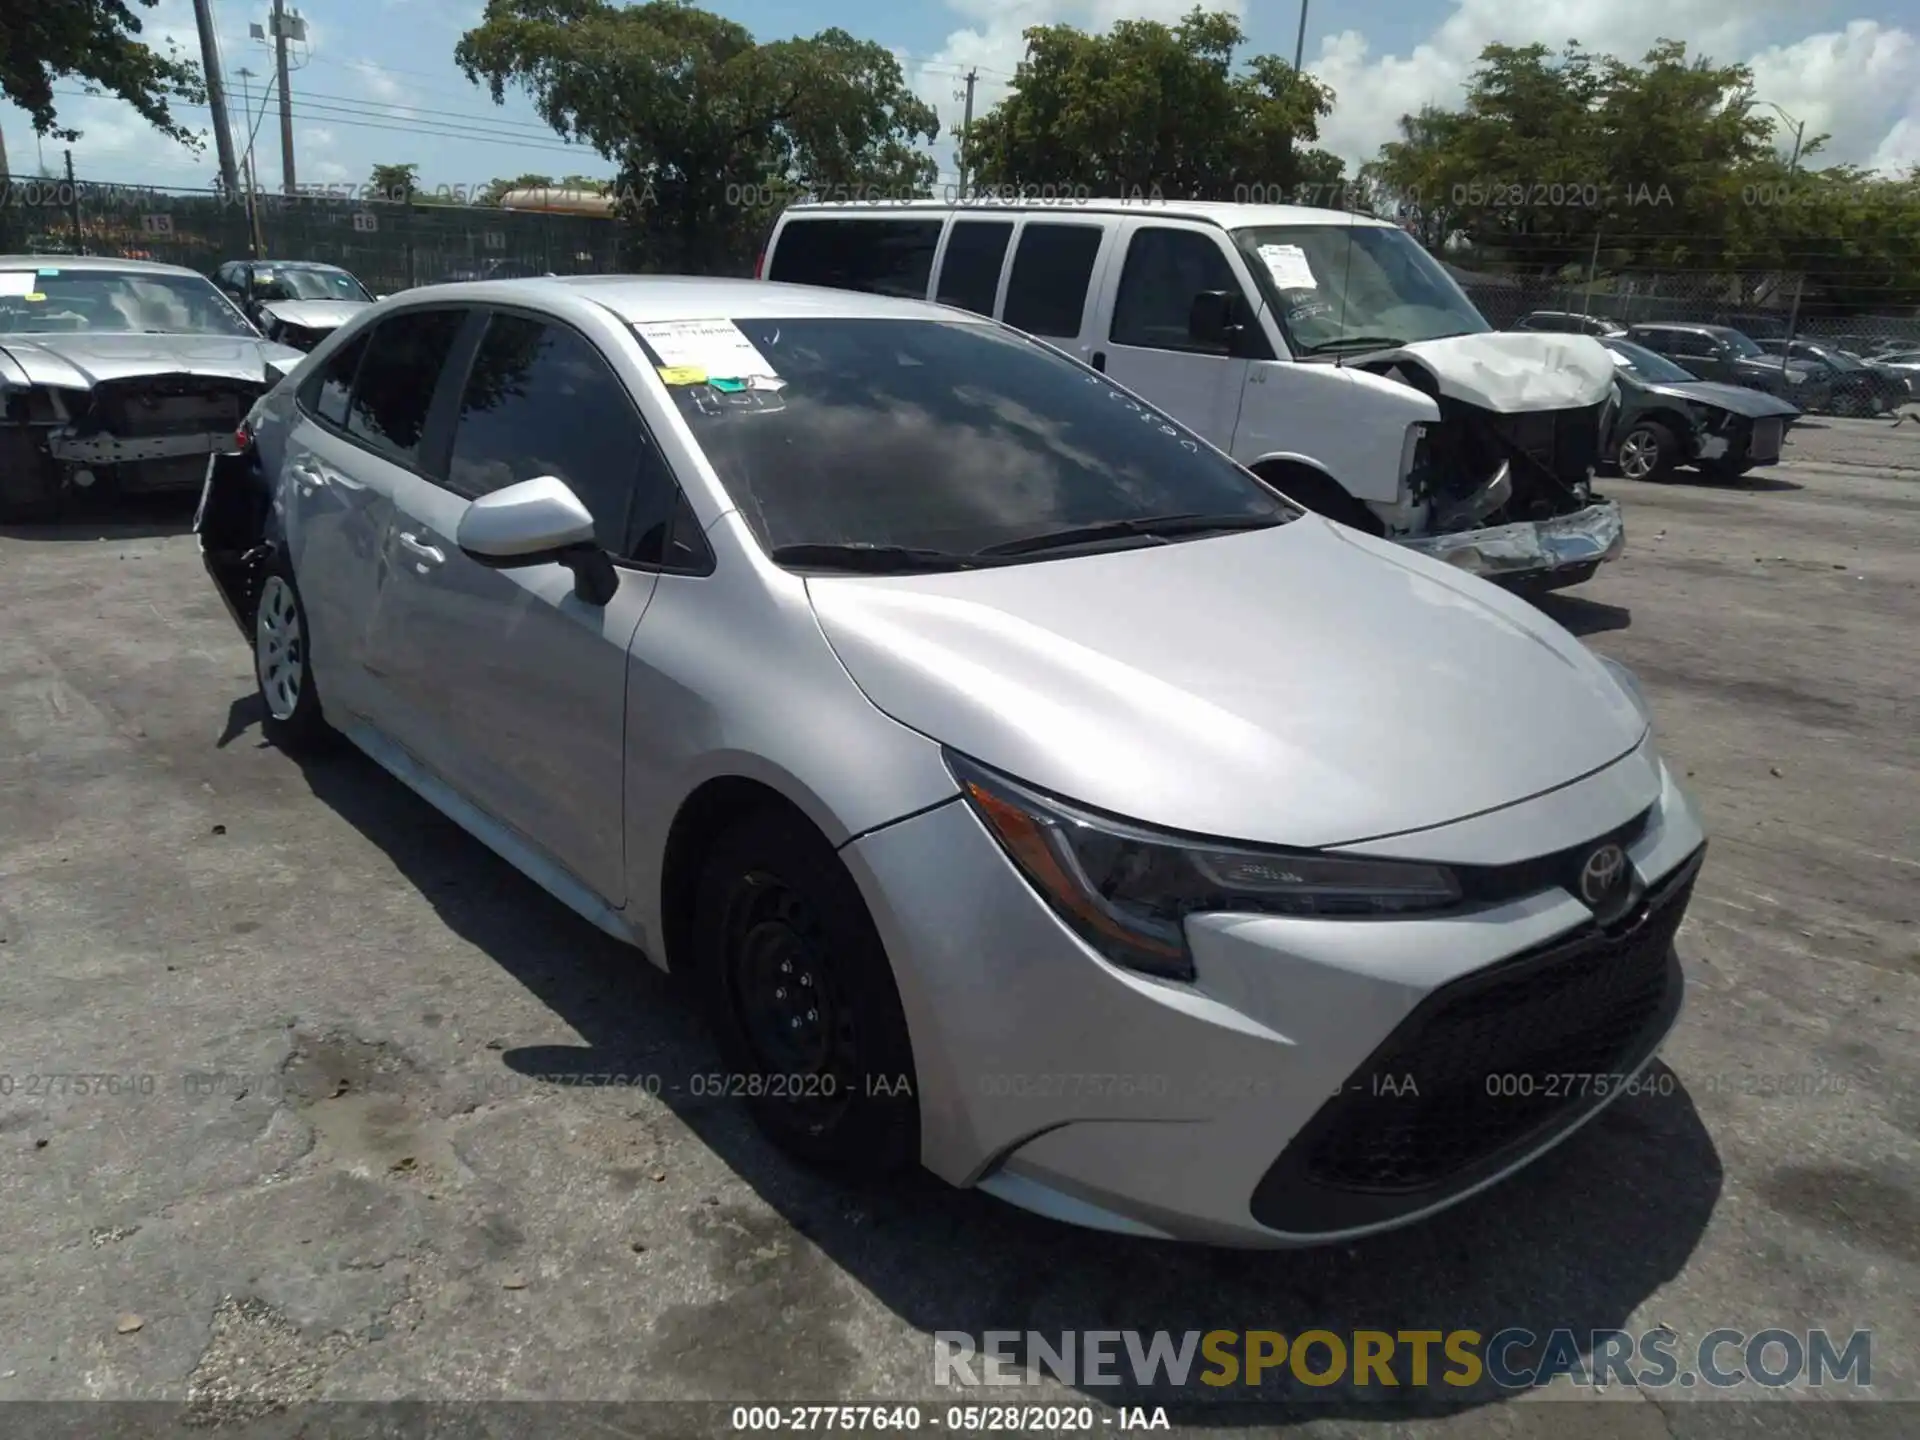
{"points": [[157, 224], [365, 220], [495, 239]]}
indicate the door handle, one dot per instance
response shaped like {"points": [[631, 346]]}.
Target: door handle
{"points": [[304, 478], [421, 548], [1100, 361]]}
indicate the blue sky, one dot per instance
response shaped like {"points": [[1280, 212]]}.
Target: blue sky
{"points": [[376, 82]]}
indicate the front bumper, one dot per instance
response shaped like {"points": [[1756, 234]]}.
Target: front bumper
{"points": [[1070, 1087], [1533, 548]]}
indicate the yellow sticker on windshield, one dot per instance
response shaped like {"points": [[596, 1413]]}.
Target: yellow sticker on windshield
{"points": [[33, 295], [683, 375]]}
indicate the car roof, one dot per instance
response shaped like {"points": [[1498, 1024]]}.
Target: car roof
{"points": [[1226, 215], [640, 298], [94, 262]]}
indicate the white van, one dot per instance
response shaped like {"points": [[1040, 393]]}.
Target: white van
{"points": [[1327, 352]]}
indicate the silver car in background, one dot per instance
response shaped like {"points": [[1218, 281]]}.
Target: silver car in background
{"points": [[1027, 789]]}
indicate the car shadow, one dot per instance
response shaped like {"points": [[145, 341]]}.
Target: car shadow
{"points": [[114, 517], [1580, 615], [1579, 1241]]}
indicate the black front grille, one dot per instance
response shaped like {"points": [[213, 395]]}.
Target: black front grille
{"points": [[1482, 1070]]}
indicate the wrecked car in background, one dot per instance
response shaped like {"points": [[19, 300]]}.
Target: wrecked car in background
{"points": [[1325, 351], [118, 372], [1667, 418], [295, 302]]}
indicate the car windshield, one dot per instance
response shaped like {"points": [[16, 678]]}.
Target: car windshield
{"points": [[50, 300], [1643, 364], [1741, 345], [302, 283], [931, 435], [1348, 286]]}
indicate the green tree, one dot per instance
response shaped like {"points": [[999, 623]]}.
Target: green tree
{"points": [[1149, 108], [396, 183], [705, 124], [97, 43]]}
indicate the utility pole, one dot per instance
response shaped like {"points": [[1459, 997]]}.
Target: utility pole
{"points": [[1300, 42], [286, 95], [73, 196], [216, 93], [4, 172], [966, 129], [1800, 276]]}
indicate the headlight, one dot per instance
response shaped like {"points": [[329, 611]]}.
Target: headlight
{"points": [[1629, 682], [1796, 377], [1126, 891]]}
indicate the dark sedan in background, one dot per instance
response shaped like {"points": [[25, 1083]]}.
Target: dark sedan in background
{"points": [[1719, 352], [1854, 386], [1667, 418]]}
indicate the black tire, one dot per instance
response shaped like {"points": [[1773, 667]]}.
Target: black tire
{"points": [[29, 492], [281, 669], [801, 998], [1320, 494], [1648, 451]]}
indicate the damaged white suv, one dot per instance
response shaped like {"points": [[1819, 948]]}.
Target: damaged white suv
{"points": [[1325, 351]]}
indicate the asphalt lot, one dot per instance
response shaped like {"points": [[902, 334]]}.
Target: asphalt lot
{"points": [[385, 1201]]}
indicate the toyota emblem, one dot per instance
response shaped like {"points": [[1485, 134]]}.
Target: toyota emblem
{"points": [[1601, 874]]}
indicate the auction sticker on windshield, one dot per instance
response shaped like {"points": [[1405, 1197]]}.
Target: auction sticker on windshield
{"points": [[17, 283], [1288, 266], [713, 347]]}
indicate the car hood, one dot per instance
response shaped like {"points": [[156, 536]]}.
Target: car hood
{"points": [[1740, 399], [81, 361], [1304, 685], [314, 314], [1511, 371]]}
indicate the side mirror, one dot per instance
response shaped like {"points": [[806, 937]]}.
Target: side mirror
{"points": [[1214, 318], [538, 522]]}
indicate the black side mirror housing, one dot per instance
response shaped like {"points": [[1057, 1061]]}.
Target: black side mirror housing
{"points": [[1214, 319]]}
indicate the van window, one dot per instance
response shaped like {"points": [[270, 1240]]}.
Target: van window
{"points": [[970, 270], [1047, 293], [881, 257], [1165, 269]]}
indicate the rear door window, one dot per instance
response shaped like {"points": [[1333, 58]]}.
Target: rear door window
{"points": [[1052, 271], [970, 270], [397, 379], [327, 394], [880, 257]]}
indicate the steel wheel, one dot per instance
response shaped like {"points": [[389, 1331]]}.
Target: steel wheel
{"points": [[1639, 454], [788, 995], [279, 648]]}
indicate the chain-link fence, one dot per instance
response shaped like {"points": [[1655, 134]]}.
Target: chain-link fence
{"points": [[1762, 305], [388, 245]]}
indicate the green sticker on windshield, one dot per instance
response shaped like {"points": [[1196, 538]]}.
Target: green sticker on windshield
{"points": [[49, 272], [727, 385]]}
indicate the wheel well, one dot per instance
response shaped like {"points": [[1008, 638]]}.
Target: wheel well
{"points": [[1677, 423], [1320, 493], [704, 816]]}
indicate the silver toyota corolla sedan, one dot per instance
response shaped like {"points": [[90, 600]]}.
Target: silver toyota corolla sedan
{"points": [[1028, 789]]}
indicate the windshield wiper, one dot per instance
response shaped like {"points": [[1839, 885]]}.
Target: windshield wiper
{"points": [[1361, 342], [1149, 527], [873, 559]]}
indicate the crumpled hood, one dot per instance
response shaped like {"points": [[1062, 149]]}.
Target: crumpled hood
{"points": [[79, 361], [1514, 371], [1740, 399], [1303, 685], [314, 314]]}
